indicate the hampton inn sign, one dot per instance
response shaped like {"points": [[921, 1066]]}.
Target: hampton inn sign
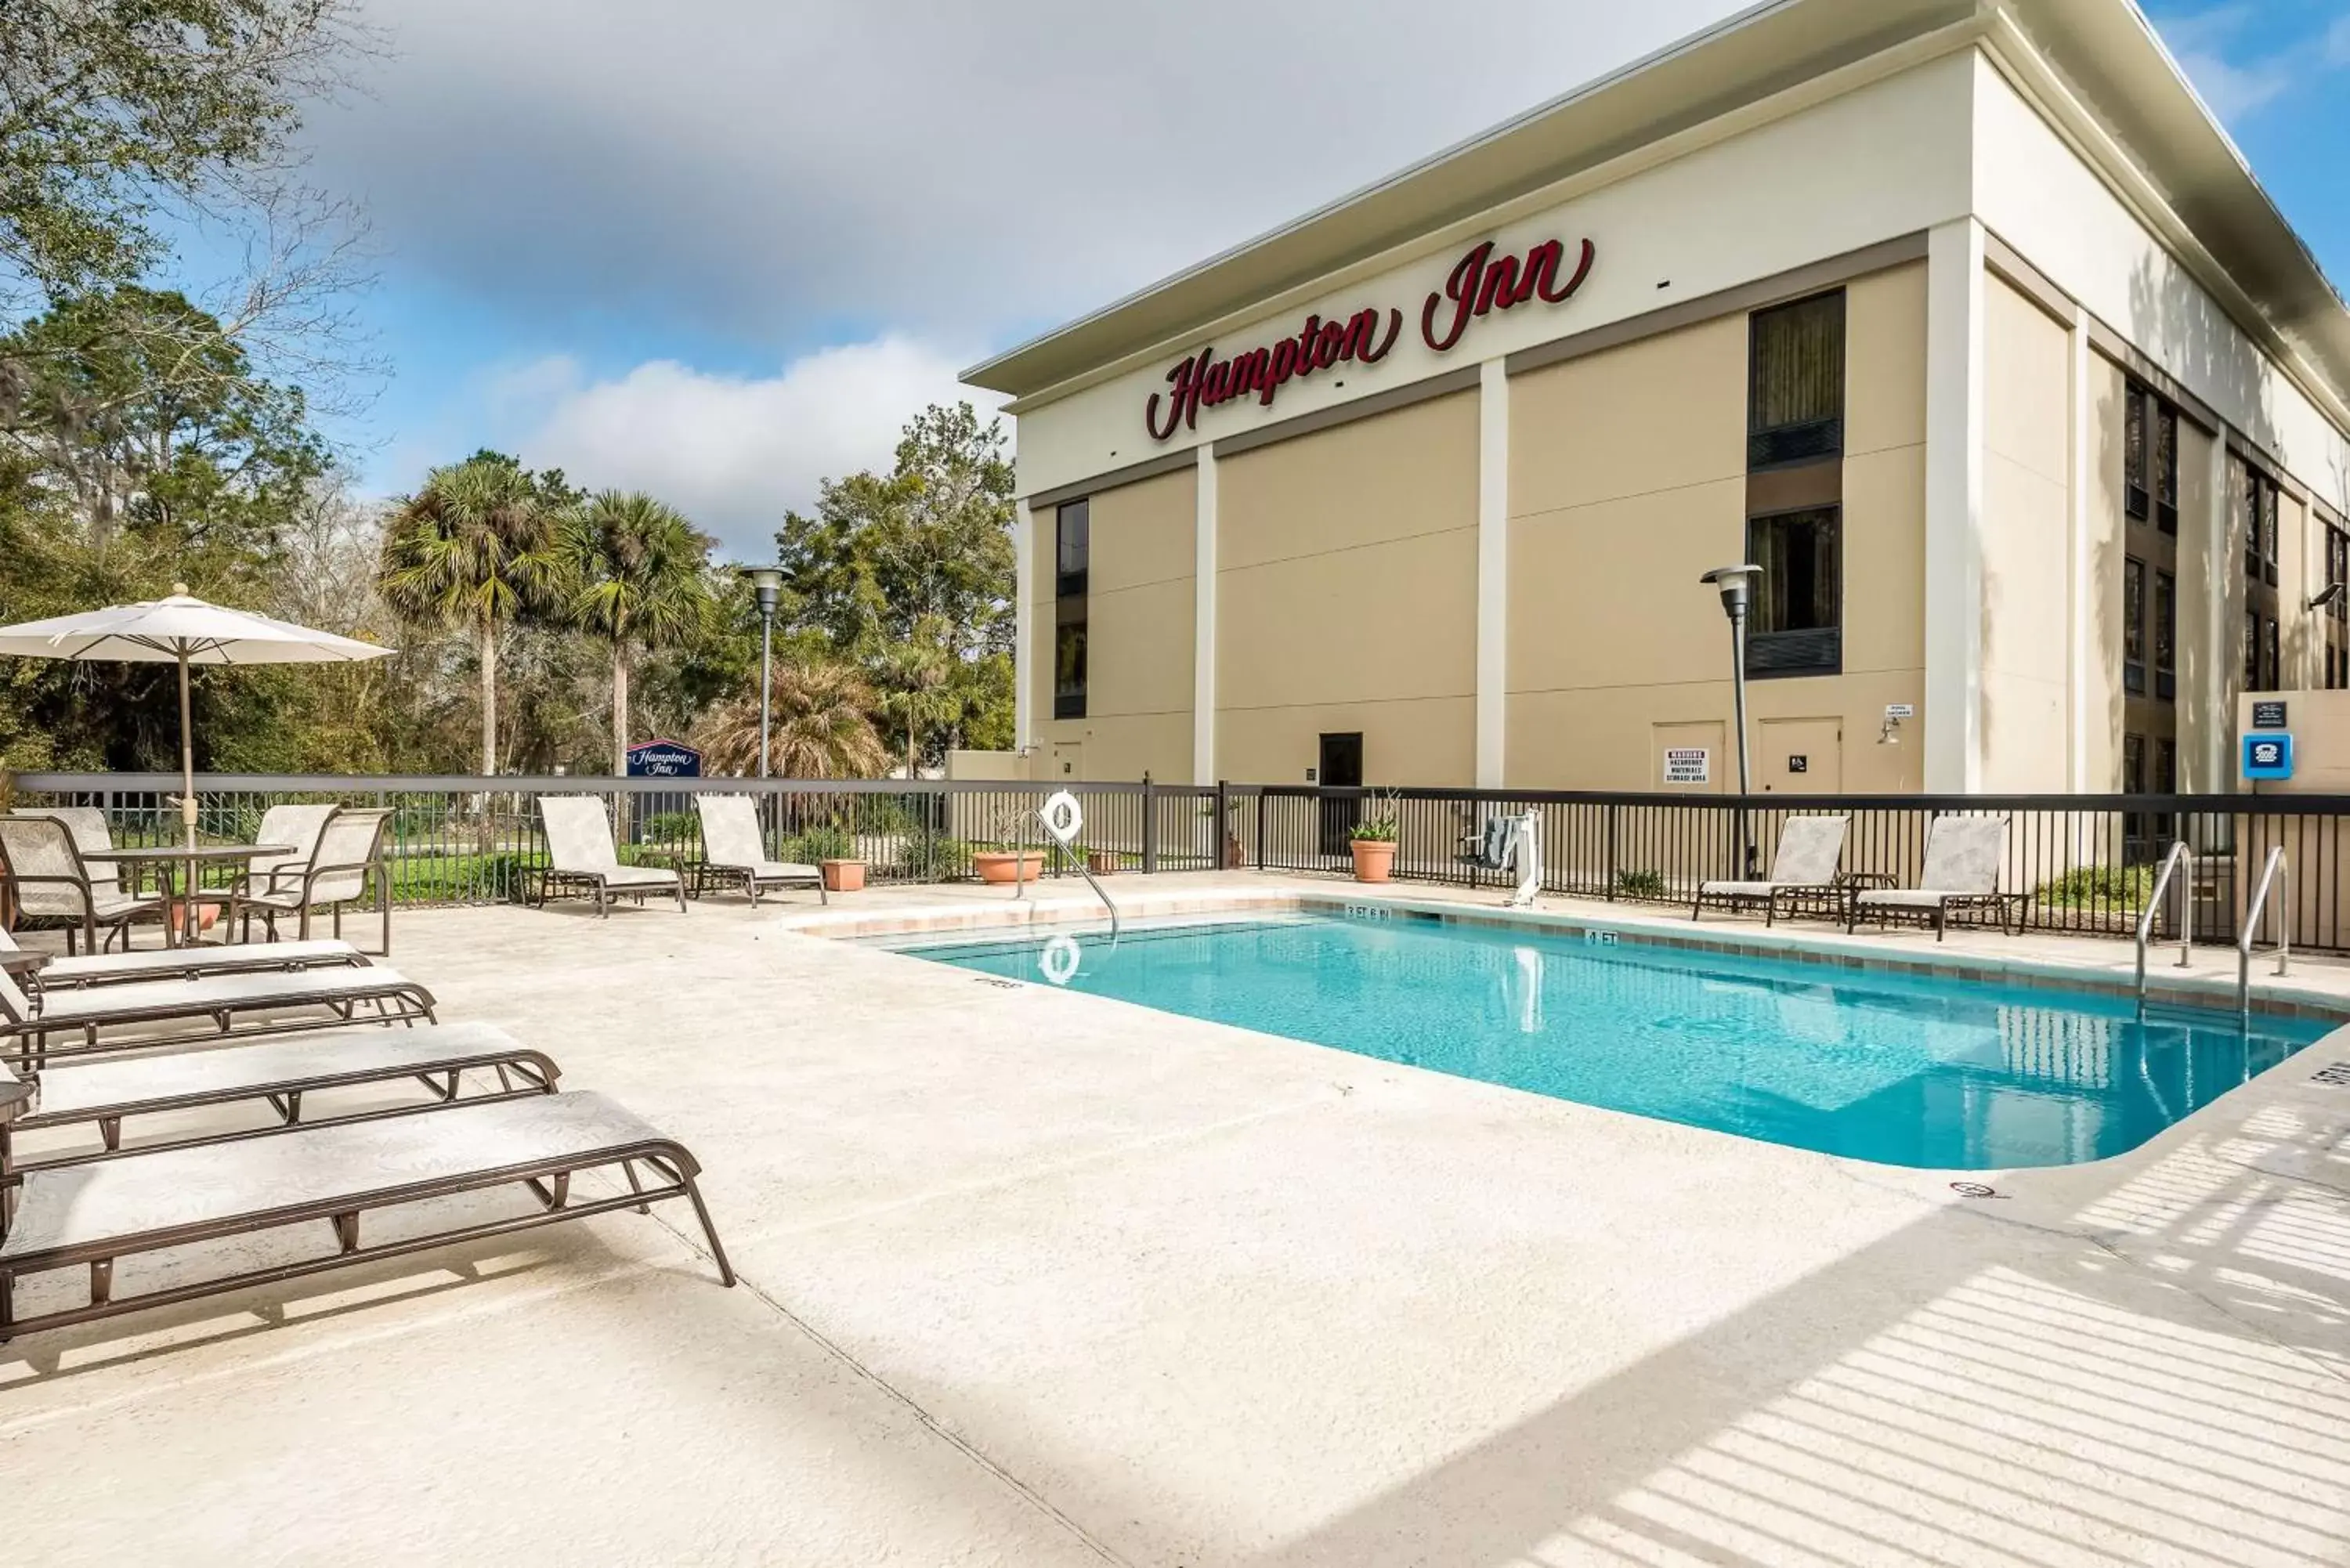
{"points": [[1481, 283]]}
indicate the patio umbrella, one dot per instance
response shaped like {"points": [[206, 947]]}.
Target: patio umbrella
{"points": [[182, 631]]}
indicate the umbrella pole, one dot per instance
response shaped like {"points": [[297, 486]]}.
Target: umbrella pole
{"points": [[187, 760]]}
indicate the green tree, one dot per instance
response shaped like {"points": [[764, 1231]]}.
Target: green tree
{"points": [[474, 546], [146, 414], [116, 112], [635, 574], [916, 679], [931, 538]]}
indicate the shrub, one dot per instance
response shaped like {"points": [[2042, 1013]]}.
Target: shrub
{"points": [[1641, 884], [819, 843], [2099, 887]]}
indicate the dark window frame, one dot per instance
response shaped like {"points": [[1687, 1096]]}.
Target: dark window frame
{"points": [[2165, 636], [1072, 571], [2134, 625], [1815, 648], [1810, 433]]}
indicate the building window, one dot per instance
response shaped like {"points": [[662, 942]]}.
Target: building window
{"points": [[2165, 637], [1796, 627], [2166, 465], [2256, 492], [2166, 767], [2252, 650], [1072, 560], [1796, 403], [2334, 631], [2136, 492], [2134, 626], [2271, 655]]}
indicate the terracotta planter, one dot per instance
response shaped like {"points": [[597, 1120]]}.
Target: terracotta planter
{"points": [[207, 916], [1101, 862], [1374, 860], [844, 875], [1235, 853], [1008, 866]]}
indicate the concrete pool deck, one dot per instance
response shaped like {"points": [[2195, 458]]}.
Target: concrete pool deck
{"points": [[1041, 1278]]}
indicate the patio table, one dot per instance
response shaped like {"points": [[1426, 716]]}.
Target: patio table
{"points": [[192, 860]]}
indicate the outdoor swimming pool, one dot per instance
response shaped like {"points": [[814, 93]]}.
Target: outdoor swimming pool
{"points": [[1901, 1069]]}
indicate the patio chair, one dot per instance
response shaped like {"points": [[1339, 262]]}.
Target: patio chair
{"points": [[41, 853], [338, 872], [88, 1216], [580, 843], [295, 827], [189, 963], [31, 1023], [1810, 851], [733, 850], [1961, 874], [281, 1072]]}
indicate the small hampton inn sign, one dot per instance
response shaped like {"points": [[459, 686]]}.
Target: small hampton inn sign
{"points": [[1480, 284]]}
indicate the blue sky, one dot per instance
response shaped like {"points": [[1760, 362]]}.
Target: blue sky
{"points": [[719, 249]]}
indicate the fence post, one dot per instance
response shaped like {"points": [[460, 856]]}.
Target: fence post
{"points": [[1610, 871], [1149, 828], [1222, 832]]}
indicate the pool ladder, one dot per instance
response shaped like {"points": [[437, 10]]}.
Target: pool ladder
{"points": [[1020, 887], [2275, 874], [2179, 856]]}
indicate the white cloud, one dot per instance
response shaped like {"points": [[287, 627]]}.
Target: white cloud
{"points": [[732, 452]]}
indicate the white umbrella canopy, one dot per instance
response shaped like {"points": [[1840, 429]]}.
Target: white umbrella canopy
{"points": [[182, 631]]}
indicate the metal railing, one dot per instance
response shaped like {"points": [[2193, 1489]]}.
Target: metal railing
{"points": [[2164, 880], [2275, 873], [2083, 864]]}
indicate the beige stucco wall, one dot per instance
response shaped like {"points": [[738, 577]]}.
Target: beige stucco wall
{"points": [[1346, 597], [1628, 480], [1139, 636], [2026, 531]]}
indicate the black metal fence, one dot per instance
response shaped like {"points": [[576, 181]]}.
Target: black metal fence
{"points": [[2082, 862]]}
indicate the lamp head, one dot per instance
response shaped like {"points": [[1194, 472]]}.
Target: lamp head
{"points": [[1735, 582], [2326, 595], [767, 583]]}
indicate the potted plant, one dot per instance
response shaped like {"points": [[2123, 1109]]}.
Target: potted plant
{"points": [[846, 875], [1017, 863], [1373, 840], [1235, 853], [1101, 862]]}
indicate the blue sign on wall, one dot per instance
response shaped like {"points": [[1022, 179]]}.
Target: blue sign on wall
{"points": [[2267, 754], [663, 760]]}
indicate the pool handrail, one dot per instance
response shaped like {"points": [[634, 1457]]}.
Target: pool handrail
{"points": [[2274, 871], [2178, 852]]}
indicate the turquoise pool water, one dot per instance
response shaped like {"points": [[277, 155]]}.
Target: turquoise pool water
{"points": [[1901, 1069]]}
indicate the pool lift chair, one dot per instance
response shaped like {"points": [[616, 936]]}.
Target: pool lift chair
{"points": [[1511, 843]]}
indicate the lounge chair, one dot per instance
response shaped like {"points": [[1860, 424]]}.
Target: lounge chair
{"points": [[1810, 851], [42, 853], [189, 963], [733, 850], [580, 846], [89, 1216], [279, 1071], [1961, 874], [97, 1013], [348, 856]]}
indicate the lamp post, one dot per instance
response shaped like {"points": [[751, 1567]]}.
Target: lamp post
{"points": [[768, 583], [1736, 584]]}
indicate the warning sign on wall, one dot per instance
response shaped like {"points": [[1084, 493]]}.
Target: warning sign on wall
{"points": [[1688, 765]]}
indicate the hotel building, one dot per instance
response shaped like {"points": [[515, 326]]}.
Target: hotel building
{"points": [[1962, 319]]}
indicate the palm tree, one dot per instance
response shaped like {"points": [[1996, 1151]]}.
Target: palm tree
{"points": [[820, 730], [635, 573], [474, 545], [914, 677]]}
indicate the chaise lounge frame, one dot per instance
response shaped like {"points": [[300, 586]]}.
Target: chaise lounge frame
{"points": [[549, 1180], [441, 1072], [396, 999]]}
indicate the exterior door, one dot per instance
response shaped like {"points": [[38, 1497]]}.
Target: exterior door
{"points": [[1798, 756], [1341, 767], [1068, 760]]}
